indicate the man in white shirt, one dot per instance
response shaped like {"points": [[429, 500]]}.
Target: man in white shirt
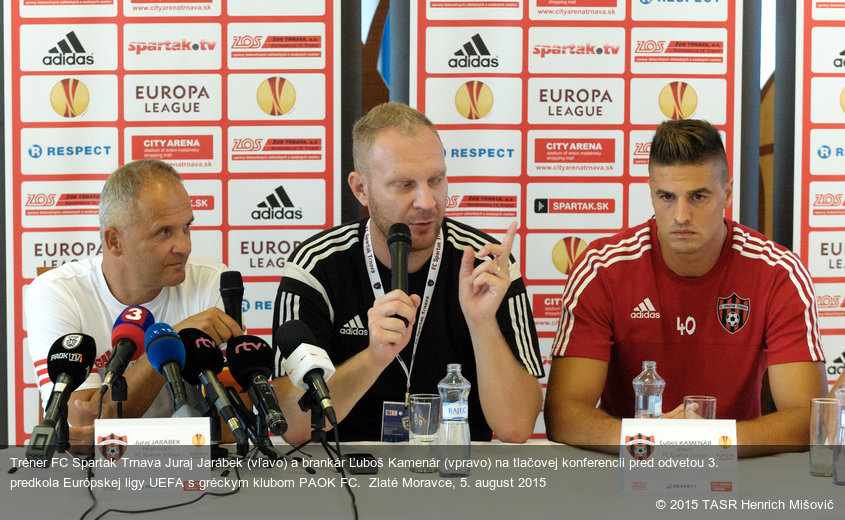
{"points": [[145, 221]]}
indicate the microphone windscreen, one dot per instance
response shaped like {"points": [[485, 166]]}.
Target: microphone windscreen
{"points": [[163, 345], [72, 354], [290, 335], [247, 355], [231, 281], [399, 232], [201, 354], [132, 325]]}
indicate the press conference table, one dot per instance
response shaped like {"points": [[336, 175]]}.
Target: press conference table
{"points": [[530, 492]]}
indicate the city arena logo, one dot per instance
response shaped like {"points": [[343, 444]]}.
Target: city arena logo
{"points": [[566, 251], [182, 45], [474, 53], [474, 100], [576, 49], [276, 96], [677, 100], [68, 51], [277, 206], [69, 97]]}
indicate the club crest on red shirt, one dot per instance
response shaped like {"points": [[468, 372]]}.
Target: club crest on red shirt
{"points": [[733, 312]]}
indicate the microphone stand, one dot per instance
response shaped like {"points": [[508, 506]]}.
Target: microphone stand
{"points": [[217, 451], [318, 422], [119, 394], [255, 426], [62, 431], [47, 438]]}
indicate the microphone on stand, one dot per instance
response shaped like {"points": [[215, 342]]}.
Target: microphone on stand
{"points": [[166, 354], [307, 365], [69, 363], [250, 364], [232, 294], [204, 361], [127, 338]]}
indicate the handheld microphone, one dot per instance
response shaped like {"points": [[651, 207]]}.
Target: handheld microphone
{"points": [[232, 293], [250, 360], [399, 243], [126, 336], [204, 362], [307, 365], [166, 354], [69, 363]]}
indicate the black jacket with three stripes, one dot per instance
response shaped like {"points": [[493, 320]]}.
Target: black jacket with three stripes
{"points": [[325, 284]]}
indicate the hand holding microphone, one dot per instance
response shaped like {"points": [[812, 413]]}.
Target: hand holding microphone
{"points": [[399, 244]]}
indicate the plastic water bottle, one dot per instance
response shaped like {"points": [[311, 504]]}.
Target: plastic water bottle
{"points": [[453, 436], [648, 392], [839, 444]]}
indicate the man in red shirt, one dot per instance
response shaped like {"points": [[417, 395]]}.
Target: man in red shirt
{"points": [[713, 302]]}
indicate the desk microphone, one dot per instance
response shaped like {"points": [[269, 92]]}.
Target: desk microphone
{"points": [[307, 365], [127, 339], [250, 363], [204, 361], [166, 354], [69, 363], [232, 293]]}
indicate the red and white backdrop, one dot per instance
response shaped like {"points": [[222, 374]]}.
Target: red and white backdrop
{"points": [[241, 96], [819, 214], [547, 107]]}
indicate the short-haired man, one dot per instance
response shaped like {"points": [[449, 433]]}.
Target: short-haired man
{"points": [[145, 223], [467, 302], [721, 304]]}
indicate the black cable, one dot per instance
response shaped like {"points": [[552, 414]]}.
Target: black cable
{"points": [[181, 504], [100, 405], [343, 472]]}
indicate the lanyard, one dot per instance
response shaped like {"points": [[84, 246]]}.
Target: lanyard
{"points": [[378, 291]]}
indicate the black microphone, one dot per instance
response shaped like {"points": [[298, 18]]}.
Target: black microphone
{"points": [[307, 365], [204, 361], [127, 335], [69, 363], [399, 243], [166, 354], [232, 293], [250, 362]]}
